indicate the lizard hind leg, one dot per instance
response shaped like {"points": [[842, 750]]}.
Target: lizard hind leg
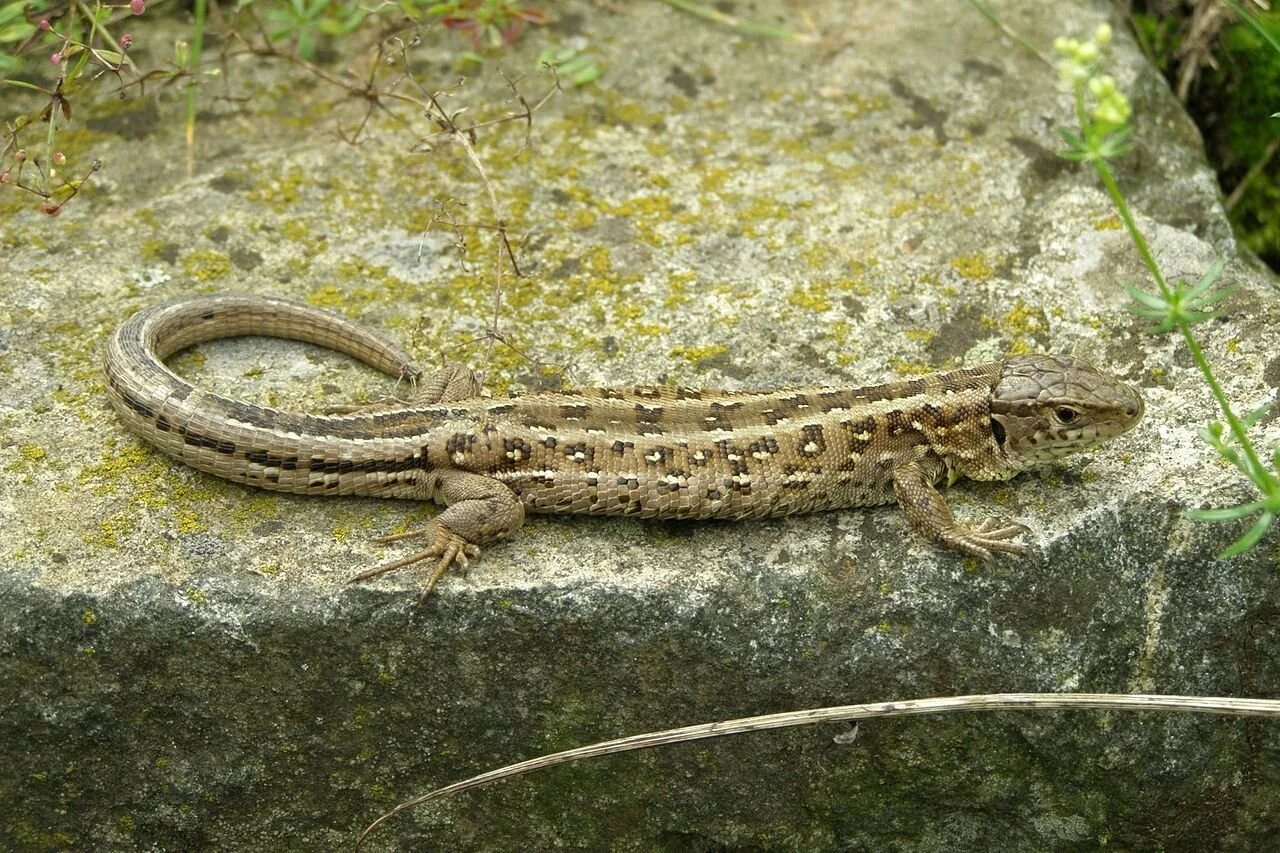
{"points": [[478, 510]]}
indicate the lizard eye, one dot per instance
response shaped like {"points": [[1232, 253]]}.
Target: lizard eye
{"points": [[1065, 415]]}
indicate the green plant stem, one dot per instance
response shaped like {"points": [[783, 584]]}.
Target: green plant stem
{"points": [[1237, 429], [105, 35], [1197, 354], [193, 62], [1113, 189], [55, 107], [749, 27]]}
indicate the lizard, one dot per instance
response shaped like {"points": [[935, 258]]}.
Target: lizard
{"points": [[645, 451]]}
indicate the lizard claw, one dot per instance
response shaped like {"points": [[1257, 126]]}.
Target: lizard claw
{"points": [[448, 546], [988, 535]]}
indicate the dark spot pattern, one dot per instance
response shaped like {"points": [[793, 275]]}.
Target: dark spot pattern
{"points": [[812, 442]]}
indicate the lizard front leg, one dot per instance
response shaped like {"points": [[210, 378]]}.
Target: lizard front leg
{"points": [[478, 510], [927, 511]]}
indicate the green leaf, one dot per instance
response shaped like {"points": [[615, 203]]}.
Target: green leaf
{"points": [[1256, 415], [1206, 281], [1205, 300], [20, 83], [1153, 300], [1247, 541], [15, 32], [12, 11], [1071, 139], [1227, 514]]}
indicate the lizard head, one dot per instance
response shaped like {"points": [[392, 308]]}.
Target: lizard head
{"points": [[1044, 406]]}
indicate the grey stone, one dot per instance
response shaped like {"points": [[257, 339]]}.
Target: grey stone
{"points": [[182, 665]]}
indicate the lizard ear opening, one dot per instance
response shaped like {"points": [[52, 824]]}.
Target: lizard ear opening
{"points": [[997, 429]]}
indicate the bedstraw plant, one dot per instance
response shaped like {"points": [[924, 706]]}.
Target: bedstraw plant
{"points": [[1102, 135]]}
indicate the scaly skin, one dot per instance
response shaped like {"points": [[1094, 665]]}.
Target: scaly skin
{"points": [[653, 452]]}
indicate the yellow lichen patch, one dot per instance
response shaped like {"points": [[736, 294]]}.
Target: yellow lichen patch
{"points": [[279, 193], [1108, 223], [299, 231], [206, 265], [811, 296], [617, 111], [678, 289], [31, 452], [696, 354], [766, 210], [151, 484], [930, 201], [976, 267], [188, 520], [154, 249], [109, 532], [923, 336], [904, 367], [818, 255], [714, 178], [1020, 322]]}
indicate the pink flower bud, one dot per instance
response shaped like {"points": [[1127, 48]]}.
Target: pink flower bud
{"points": [[55, 58], [50, 208], [5, 177], [126, 40], [45, 25], [20, 155], [137, 7], [59, 159]]}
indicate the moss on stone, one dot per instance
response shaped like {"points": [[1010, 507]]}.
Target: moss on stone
{"points": [[206, 265]]}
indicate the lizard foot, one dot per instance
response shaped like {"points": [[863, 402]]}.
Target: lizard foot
{"points": [[448, 546], [988, 535]]}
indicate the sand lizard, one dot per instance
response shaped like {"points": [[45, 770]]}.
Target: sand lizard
{"points": [[646, 451]]}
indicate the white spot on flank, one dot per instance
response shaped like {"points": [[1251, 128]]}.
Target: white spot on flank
{"points": [[811, 447], [459, 457]]}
